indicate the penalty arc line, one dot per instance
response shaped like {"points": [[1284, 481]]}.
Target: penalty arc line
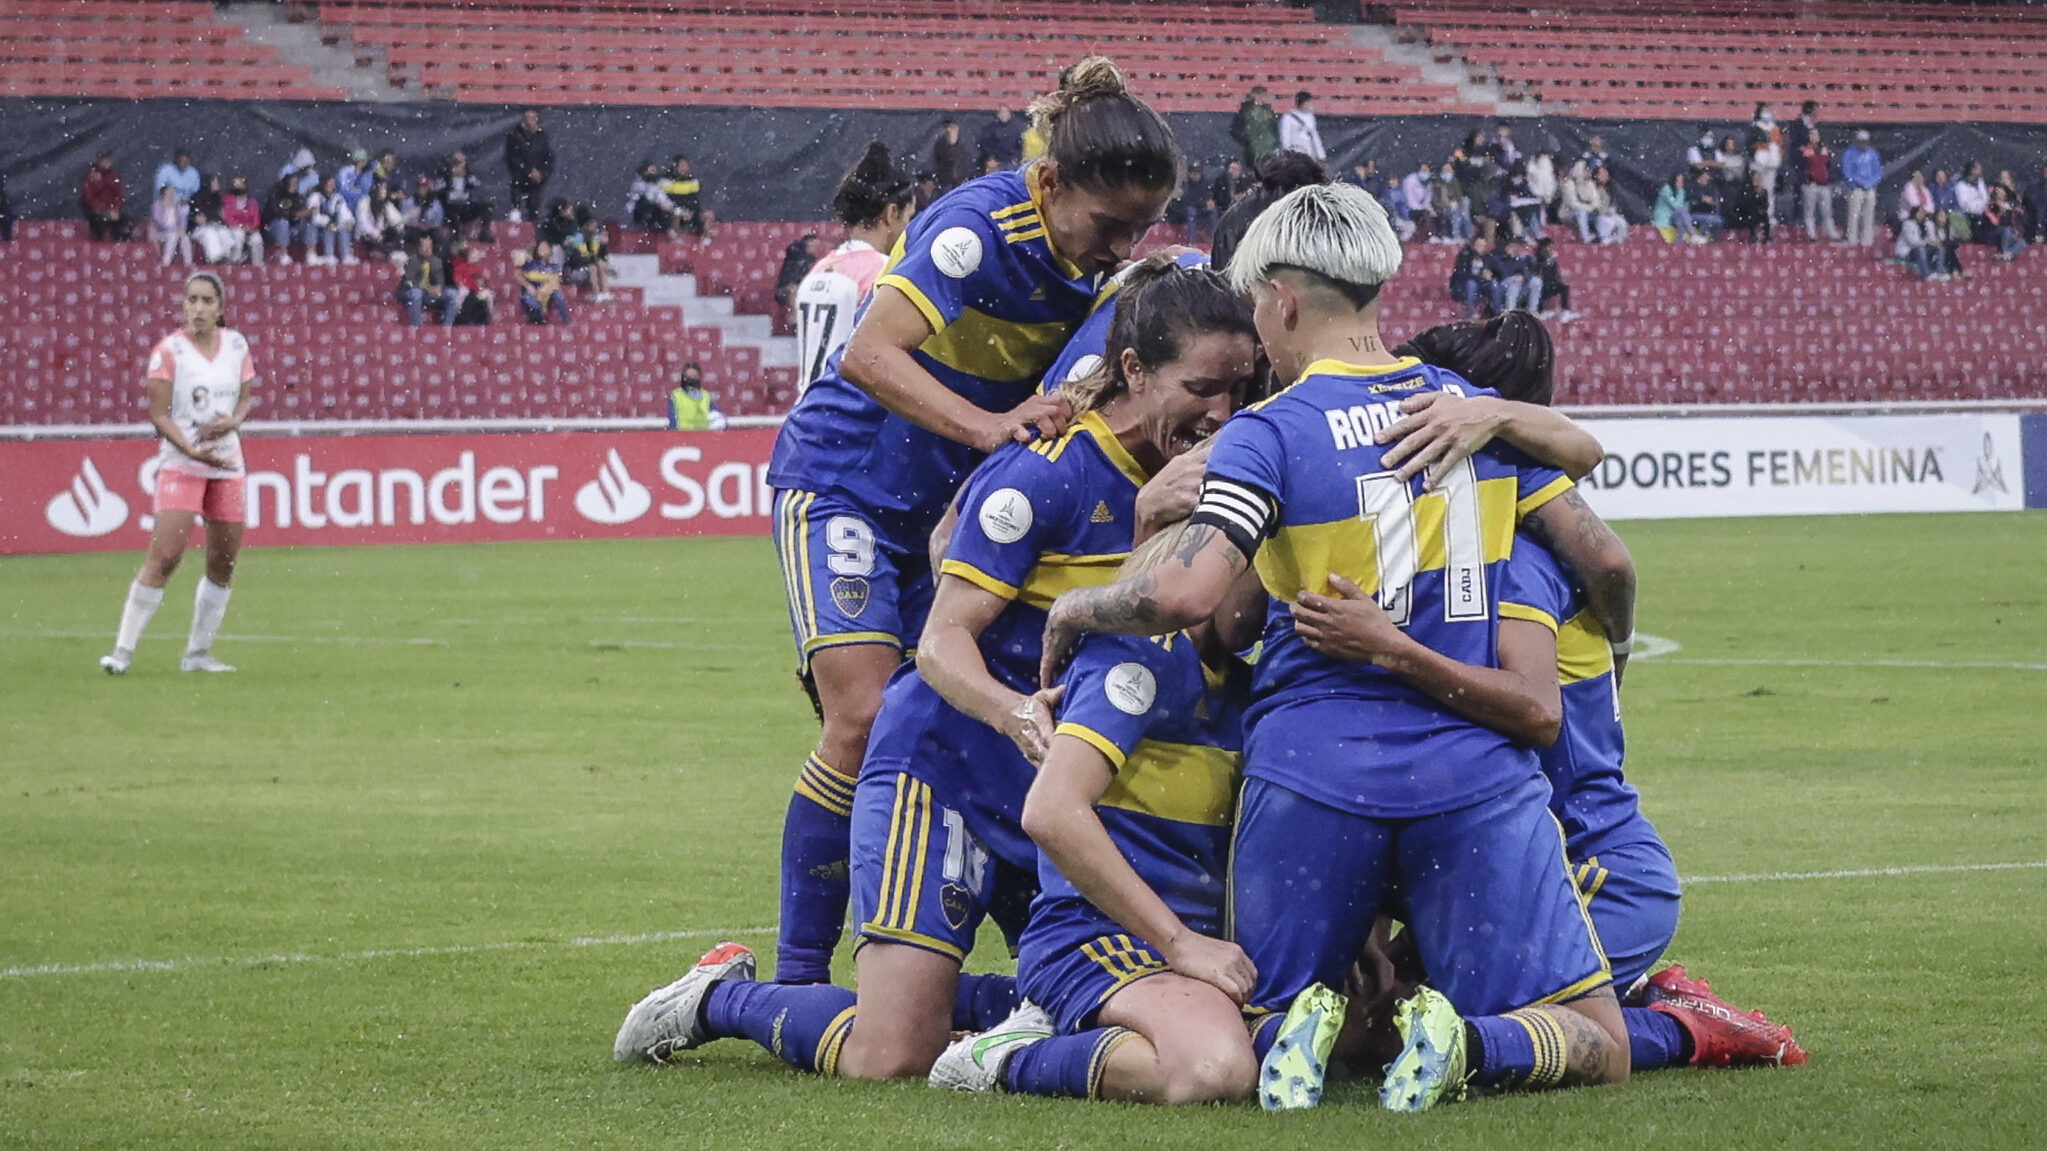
{"points": [[150, 965]]}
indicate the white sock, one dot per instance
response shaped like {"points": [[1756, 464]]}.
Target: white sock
{"points": [[208, 607], [143, 601]]}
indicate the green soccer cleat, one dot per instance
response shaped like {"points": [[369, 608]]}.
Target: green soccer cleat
{"points": [[1430, 1068], [1291, 1077]]}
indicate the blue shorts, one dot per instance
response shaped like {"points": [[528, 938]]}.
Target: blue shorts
{"points": [[847, 578], [920, 876], [1487, 889], [1073, 958], [1632, 892]]}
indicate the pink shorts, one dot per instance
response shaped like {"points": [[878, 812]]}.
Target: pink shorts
{"points": [[222, 501]]}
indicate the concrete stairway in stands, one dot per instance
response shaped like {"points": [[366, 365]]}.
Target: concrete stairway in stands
{"points": [[265, 23], [662, 289], [1473, 86]]}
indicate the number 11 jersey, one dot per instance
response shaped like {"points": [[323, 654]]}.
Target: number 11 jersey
{"points": [[1311, 484]]}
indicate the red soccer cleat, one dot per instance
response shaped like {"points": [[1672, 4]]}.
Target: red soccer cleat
{"points": [[1722, 1035]]}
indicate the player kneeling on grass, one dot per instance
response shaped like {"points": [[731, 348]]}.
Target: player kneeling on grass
{"points": [[1353, 776], [937, 844], [1131, 814]]}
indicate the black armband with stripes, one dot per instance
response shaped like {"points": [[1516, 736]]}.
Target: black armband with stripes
{"points": [[1243, 513]]}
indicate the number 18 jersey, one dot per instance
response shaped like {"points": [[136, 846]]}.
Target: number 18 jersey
{"points": [[1304, 471]]}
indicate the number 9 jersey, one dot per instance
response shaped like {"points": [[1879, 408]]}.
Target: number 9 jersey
{"points": [[1301, 473]]}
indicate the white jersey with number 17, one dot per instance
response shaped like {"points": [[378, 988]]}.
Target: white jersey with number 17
{"points": [[827, 300]]}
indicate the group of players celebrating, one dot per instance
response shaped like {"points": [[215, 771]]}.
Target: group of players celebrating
{"points": [[1277, 728]]}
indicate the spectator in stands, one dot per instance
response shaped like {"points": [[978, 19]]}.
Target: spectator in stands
{"points": [[540, 289], [798, 259], [2035, 200], [1972, 199], [1542, 182], [927, 192], [1194, 208], [384, 174], [104, 200], [472, 304], [6, 213], [1580, 202], [1255, 127], [243, 218], [1703, 156], [949, 159], [1798, 134], [1035, 141], [1915, 195], [686, 193], [647, 207], [1515, 284], [1501, 147], [1816, 186], [206, 202], [586, 255], [462, 201], [380, 225], [1451, 207], [529, 161], [1612, 226], [356, 180], [1595, 157], [1708, 213], [301, 171], [558, 224], [332, 229], [1672, 216], [1366, 175], [691, 406], [1298, 130], [2007, 223], [1001, 138], [215, 242], [1471, 276], [1943, 192], [1415, 190], [423, 212], [1230, 187], [1748, 208], [286, 215], [1918, 246], [424, 285], [1732, 163], [1766, 152], [1527, 207], [1862, 169], [177, 172], [1554, 287], [167, 225]]}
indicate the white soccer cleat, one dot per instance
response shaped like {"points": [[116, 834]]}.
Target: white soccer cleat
{"points": [[671, 1018], [196, 661], [975, 1063], [117, 662]]}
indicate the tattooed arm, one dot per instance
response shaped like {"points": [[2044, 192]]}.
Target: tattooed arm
{"points": [[1179, 593], [1571, 529]]}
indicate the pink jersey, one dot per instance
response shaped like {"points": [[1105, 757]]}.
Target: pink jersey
{"points": [[827, 300], [202, 389]]}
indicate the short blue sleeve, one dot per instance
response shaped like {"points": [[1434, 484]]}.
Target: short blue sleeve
{"points": [[1535, 587], [1117, 689], [1007, 511], [1249, 451], [943, 261]]}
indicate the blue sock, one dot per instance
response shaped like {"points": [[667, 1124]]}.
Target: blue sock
{"points": [[1655, 1040], [982, 1001], [804, 1026], [1265, 1033], [1519, 1049], [1064, 1066], [815, 882]]}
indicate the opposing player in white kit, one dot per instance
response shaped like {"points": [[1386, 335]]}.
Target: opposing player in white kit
{"points": [[875, 201], [199, 380]]}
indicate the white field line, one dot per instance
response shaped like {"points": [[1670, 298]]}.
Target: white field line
{"points": [[230, 637], [230, 961], [1662, 650]]}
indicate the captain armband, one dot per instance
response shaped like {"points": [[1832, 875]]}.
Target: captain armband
{"points": [[1242, 512]]}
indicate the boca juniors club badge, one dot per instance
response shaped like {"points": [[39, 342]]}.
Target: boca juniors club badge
{"points": [[850, 593], [955, 900]]}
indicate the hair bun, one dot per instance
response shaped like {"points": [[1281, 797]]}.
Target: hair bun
{"points": [[1094, 78], [875, 167]]}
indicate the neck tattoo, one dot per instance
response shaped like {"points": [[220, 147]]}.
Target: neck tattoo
{"points": [[1365, 344]]}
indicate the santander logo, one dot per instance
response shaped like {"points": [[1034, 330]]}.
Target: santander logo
{"points": [[88, 507], [614, 497]]}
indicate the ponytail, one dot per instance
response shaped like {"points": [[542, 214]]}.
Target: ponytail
{"points": [[1100, 136], [873, 186]]}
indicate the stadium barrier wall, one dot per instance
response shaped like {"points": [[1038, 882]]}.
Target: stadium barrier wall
{"points": [[94, 494], [782, 163]]}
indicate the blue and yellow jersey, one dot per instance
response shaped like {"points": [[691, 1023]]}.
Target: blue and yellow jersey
{"points": [[1037, 520], [1172, 728], [1090, 342], [1351, 735], [1001, 303], [1589, 795]]}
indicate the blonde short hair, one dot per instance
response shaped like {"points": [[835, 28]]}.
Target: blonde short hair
{"points": [[1336, 231]]}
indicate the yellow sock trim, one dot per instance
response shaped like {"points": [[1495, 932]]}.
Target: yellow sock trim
{"points": [[1112, 1039]]}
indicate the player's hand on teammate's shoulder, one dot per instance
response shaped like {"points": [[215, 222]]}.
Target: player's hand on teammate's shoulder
{"points": [[1348, 626], [1037, 418], [1170, 496], [1438, 432], [1216, 962]]}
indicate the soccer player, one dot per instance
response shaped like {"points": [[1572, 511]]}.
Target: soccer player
{"points": [[198, 381], [875, 201], [1354, 777], [1131, 811], [940, 370], [936, 841]]}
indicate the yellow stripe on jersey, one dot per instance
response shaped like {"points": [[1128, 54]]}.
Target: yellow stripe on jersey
{"points": [[1027, 234], [1301, 553], [1549, 491], [1005, 213], [916, 295], [1005, 351], [1056, 574], [1033, 179], [1183, 782], [978, 578], [1094, 739], [1522, 611], [1582, 650]]}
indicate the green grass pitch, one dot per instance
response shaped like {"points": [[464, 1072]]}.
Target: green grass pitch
{"points": [[394, 884]]}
